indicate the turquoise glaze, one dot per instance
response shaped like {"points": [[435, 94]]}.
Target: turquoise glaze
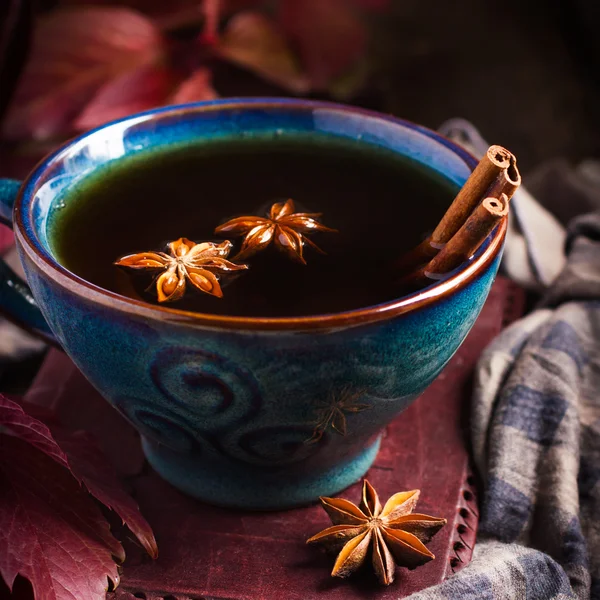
{"points": [[240, 411]]}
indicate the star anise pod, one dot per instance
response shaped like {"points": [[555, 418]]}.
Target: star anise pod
{"points": [[390, 535], [285, 227], [187, 261]]}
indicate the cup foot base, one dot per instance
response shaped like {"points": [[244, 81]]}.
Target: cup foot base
{"points": [[250, 488]]}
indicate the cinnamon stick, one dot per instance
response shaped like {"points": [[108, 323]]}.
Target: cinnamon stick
{"points": [[463, 244], [469, 237], [507, 181], [495, 161]]}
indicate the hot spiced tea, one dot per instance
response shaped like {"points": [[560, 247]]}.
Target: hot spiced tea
{"points": [[379, 203]]}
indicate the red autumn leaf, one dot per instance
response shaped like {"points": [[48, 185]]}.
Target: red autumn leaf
{"points": [[213, 10], [134, 91], [141, 89], [75, 52], [330, 36], [212, 14], [30, 430], [253, 41], [160, 8], [196, 88], [6, 238], [150, 7], [78, 452], [51, 531], [90, 466]]}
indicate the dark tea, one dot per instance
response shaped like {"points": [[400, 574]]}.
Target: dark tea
{"points": [[381, 204]]}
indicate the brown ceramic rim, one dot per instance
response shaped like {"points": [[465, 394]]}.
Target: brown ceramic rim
{"points": [[330, 321]]}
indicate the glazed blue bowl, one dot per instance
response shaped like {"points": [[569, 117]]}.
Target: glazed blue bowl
{"points": [[263, 413]]}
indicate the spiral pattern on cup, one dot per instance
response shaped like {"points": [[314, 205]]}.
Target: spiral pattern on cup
{"points": [[209, 391], [157, 423]]}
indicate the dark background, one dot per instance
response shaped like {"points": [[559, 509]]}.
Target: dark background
{"points": [[526, 73]]}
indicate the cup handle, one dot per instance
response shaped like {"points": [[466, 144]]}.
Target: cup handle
{"points": [[16, 301]]}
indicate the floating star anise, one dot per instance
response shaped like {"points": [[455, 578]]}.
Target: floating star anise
{"points": [[187, 261], [333, 413], [392, 535], [284, 226]]}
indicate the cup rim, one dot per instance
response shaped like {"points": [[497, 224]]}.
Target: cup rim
{"points": [[327, 321]]}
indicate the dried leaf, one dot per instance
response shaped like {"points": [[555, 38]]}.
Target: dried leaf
{"points": [[15, 421], [155, 8], [197, 88], [212, 13], [6, 236], [90, 466], [255, 42], [139, 89], [51, 531], [161, 10], [75, 52], [329, 35]]}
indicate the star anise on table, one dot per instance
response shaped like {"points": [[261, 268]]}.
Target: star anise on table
{"points": [[390, 536], [288, 230], [187, 262]]}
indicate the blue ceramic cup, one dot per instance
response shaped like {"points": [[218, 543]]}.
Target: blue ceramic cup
{"points": [[261, 413]]}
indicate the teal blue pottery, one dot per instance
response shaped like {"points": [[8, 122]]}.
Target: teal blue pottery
{"points": [[263, 413]]}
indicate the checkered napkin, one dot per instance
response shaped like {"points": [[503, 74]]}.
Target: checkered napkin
{"points": [[536, 442]]}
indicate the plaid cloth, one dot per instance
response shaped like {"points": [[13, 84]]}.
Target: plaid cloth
{"points": [[536, 442]]}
